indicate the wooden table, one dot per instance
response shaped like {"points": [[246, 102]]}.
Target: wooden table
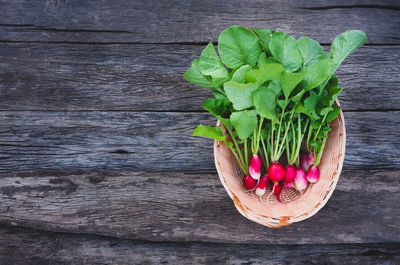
{"points": [[97, 162]]}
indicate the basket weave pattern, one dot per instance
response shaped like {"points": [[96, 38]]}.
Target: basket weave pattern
{"points": [[296, 206]]}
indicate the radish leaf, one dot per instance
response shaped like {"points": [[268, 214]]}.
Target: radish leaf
{"points": [[310, 50], [218, 82], [240, 94], [333, 114], [344, 44], [264, 37], [301, 109], [265, 102], [244, 122], [210, 132], [315, 74], [289, 81], [265, 72], [210, 64], [238, 46], [215, 106], [285, 49], [239, 74], [262, 59], [311, 103], [193, 75]]}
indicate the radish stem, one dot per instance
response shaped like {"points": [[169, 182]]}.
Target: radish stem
{"points": [[246, 154], [241, 161]]}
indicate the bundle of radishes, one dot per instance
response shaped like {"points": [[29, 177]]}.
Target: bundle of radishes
{"points": [[274, 95]]}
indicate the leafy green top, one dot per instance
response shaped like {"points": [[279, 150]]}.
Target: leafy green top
{"points": [[261, 74]]}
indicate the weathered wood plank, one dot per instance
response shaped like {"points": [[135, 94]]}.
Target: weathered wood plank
{"points": [[191, 207], [192, 21], [149, 77], [26, 246], [155, 141]]}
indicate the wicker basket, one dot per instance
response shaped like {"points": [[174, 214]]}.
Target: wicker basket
{"points": [[296, 206]]}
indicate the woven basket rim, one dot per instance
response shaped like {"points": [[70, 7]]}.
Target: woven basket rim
{"points": [[287, 220]]}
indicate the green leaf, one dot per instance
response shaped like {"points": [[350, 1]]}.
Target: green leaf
{"points": [[264, 37], [264, 133], [328, 82], [215, 106], [265, 72], [310, 50], [315, 74], [333, 114], [262, 59], [219, 95], [239, 74], [289, 81], [218, 82], [301, 109], [238, 46], [210, 132], [297, 97], [272, 60], [311, 104], [315, 124], [244, 122], [240, 94], [344, 44], [193, 75], [331, 92], [275, 86], [280, 102], [265, 102], [210, 64], [284, 48], [325, 111]]}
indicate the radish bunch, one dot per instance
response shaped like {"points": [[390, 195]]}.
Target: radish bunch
{"points": [[274, 95], [284, 178]]}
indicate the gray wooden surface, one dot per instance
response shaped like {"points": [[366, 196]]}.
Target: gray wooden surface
{"points": [[97, 162], [27, 246], [145, 77]]}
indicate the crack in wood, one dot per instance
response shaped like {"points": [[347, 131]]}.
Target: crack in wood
{"points": [[121, 151], [395, 8], [33, 27]]}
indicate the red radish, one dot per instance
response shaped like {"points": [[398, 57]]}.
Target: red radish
{"points": [[313, 174], [255, 167], [277, 190], [304, 162], [249, 183], [310, 159], [262, 185], [276, 172], [300, 180], [290, 172]]}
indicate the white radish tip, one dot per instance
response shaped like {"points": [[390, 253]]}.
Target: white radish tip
{"points": [[300, 180], [260, 192], [255, 175]]}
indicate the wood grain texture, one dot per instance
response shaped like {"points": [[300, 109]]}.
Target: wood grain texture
{"points": [[192, 21], [95, 136], [191, 207], [157, 141], [149, 77], [26, 246]]}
